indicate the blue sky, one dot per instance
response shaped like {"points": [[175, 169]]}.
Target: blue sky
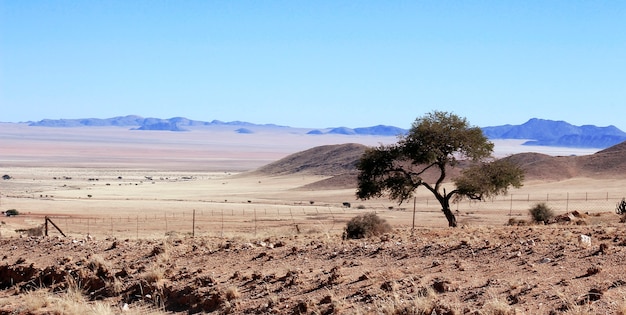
{"points": [[315, 63]]}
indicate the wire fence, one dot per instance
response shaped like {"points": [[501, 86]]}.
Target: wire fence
{"points": [[263, 220], [216, 222]]}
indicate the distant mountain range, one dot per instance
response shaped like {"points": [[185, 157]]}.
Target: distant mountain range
{"points": [[558, 133], [137, 123], [540, 132]]}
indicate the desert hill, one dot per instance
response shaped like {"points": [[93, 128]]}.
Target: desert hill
{"points": [[607, 163], [339, 163], [326, 160]]}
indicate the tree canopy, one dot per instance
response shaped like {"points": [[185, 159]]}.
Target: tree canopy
{"points": [[437, 141]]}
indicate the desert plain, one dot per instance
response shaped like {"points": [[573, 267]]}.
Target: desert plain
{"points": [[183, 222]]}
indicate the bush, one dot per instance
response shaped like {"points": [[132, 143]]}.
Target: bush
{"points": [[365, 225], [621, 207], [11, 212], [541, 213]]}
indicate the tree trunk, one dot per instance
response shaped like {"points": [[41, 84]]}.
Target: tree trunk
{"points": [[449, 216]]}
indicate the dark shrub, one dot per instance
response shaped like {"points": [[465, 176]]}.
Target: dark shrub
{"points": [[11, 212], [366, 225], [541, 213], [620, 208]]}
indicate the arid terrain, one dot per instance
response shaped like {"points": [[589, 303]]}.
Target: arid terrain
{"points": [[216, 222]]}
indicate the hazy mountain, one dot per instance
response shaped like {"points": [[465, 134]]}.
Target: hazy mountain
{"points": [[138, 123], [558, 133], [160, 125], [380, 130], [540, 132]]}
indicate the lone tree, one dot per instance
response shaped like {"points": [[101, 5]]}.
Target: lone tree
{"points": [[435, 143]]}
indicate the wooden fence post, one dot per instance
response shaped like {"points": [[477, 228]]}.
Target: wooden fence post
{"points": [[48, 220]]}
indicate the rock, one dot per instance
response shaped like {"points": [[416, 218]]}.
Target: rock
{"points": [[584, 240], [442, 286]]}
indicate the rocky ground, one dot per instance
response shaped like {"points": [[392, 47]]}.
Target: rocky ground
{"points": [[537, 269]]}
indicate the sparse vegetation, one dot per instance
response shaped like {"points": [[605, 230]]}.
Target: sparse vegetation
{"points": [[541, 213], [366, 225]]}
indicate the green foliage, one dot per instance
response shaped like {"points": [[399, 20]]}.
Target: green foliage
{"points": [[621, 207], [441, 137], [484, 180], [365, 225], [541, 212], [433, 145], [11, 212]]}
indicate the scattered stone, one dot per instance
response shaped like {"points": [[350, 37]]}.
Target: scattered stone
{"points": [[326, 300], [388, 286], [593, 270], [442, 286], [584, 240], [604, 247], [113, 246], [363, 277]]}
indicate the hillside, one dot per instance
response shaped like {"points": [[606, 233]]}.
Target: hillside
{"points": [[339, 163], [327, 160]]}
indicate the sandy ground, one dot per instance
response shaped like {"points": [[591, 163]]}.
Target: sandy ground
{"points": [[189, 192]]}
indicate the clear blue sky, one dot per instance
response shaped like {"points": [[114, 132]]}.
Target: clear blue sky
{"points": [[315, 63]]}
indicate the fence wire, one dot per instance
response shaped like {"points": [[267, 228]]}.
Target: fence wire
{"points": [[265, 220]]}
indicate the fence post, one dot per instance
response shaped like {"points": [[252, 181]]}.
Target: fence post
{"points": [[413, 225], [193, 224]]}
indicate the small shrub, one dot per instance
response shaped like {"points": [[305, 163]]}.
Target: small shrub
{"points": [[621, 207], [541, 213], [34, 231], [11, 212], [365, 225], [232, 293], [516, 222]]}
